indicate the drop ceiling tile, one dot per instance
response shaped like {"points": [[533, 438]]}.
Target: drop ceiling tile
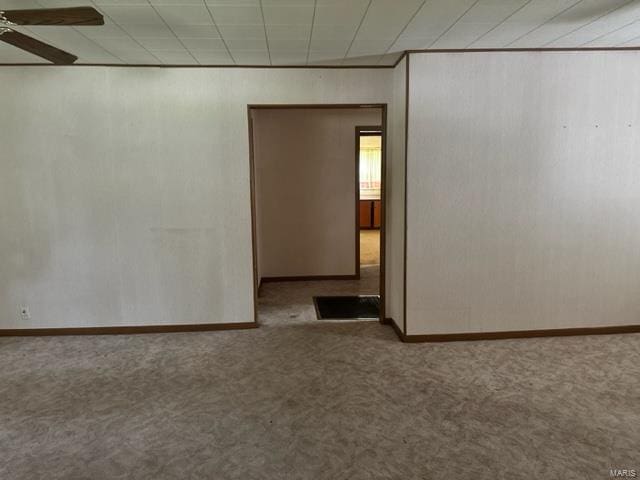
{"points": [[148, 31], [138, 57], [237, 15], [241, 31], [108, 30], [435, 17], [204, 44], [54, 3], [335, 56], [362, 47], [564, 23], [368, 60], [524, 20], [233, 3], [289, 58], [330, 45], [254, 44], [213, 58], [387, 18], [288, 2], [161, 44], [634, 42], [243, 57], [287, 14], [288, 31], [185, 14], [288, 45], [340, 13], [119, 44], [196, 31], [176, 2], [617, 37], [412, 43], [174, 58], [132, 15], [120, 2], [613, 21], [477, 21], [329, 32]]}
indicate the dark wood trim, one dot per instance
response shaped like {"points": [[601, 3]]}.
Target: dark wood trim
{"points": [[125, 330], [312, 106], [404, 53], [254, 253], [307, 278], [406, 176], [383, 220], [554, 332], [542, 49], [148, 65], [362, 131]]}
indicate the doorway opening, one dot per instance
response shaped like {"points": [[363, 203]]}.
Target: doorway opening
{"points": [[303, 185]]}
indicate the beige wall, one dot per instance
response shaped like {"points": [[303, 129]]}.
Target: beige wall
{"points": [[394, 192], [305, 189], [124, 192], [523, 191]]}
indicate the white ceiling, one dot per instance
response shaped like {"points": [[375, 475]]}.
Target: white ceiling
{"points": [[330, 32]]}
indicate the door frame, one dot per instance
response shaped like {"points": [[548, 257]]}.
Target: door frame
{"points": [[366, 131], [383, 130]]}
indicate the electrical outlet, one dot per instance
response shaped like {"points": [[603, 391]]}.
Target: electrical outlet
{"points": [[25, 314]]}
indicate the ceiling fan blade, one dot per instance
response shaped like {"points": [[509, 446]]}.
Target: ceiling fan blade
{"points": [[54, 16], [31, 45]]}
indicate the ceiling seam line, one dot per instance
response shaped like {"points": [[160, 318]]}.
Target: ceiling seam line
{"points": [[266, 37], [543, 23], [364, 15], [501, 23], [313, 21], [126, 32], [402, 31], [174, 33], [612, 31], [215, 24], [589, 23], [453, 24]]}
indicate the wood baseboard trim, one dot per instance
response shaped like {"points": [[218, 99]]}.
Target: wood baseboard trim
{"points": [[555, 332], [396, 328], [309, 278], [125, 330]]}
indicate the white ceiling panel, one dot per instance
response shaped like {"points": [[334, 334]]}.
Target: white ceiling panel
{"points": [[614, 20], [529, 17], [620, 36], [479, 19], [571, 19], [184, 14], [347, 32]]}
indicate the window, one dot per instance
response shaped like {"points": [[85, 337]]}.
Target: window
{"points": [[370, 166]]}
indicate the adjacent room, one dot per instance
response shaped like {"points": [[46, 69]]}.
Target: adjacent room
{"points": [[317, 239], [314, 259]]}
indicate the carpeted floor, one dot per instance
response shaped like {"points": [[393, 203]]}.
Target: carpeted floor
{"points": [[369, 247], [300, 398]]}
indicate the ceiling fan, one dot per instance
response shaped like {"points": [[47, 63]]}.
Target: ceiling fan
{"points": [[76, 16]]}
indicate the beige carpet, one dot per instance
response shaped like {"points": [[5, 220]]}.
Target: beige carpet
{"points": [[369, 247], [320, 400]]}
